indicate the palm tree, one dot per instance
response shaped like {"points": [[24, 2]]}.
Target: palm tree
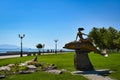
{"points": [[39, 46]]}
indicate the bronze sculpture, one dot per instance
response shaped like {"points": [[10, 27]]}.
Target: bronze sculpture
{"points": [[82, 44], [82, 47], [79, 34]]}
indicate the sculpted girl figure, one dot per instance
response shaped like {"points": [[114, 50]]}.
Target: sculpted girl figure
{"points": [[80, 35]]}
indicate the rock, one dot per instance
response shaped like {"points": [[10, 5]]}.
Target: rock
{"points": [[11, 65], [2, 76], [82, 61], [31, 67], [22, 64], [63, 70], [54, 71], [5, 68]]}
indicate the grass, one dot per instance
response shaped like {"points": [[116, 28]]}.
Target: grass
{"points": [[65, 61], [14, 60], [45, 76], [112, 63]]}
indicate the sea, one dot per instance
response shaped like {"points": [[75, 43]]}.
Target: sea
{"points": [[17, 50], [29, 50]]}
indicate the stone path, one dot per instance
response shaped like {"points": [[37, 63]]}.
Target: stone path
{"points": [[94, 75]]}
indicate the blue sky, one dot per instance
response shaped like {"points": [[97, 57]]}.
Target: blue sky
{"points": [[43, 21]]}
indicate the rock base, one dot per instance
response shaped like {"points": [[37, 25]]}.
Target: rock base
{"points": [[82, 61]]}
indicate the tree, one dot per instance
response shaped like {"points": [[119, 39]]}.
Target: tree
{"points": [[112, 37], [105, 38], [96, 37], [117, 41], [39, 46]]}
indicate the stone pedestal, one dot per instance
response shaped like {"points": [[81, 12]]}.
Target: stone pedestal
{"points": [[82, 61]]}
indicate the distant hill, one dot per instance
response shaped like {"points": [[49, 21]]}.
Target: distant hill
{"points": [[8, 46]]}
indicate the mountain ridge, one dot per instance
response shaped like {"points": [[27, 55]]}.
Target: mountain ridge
{"points": [[8, 46]]}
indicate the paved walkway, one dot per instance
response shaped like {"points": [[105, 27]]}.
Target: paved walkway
{"points": [[10, 56], [94, 75]]}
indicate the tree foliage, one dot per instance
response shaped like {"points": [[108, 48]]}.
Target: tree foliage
{"points": [[105, 38], [39, 46]]}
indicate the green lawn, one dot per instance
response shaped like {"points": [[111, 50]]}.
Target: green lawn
{"points": [[112, 62], [65, 61]]}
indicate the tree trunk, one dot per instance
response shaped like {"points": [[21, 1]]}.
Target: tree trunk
{"points": [[39, 52], [82, 61]]}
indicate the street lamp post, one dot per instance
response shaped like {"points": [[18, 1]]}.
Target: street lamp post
{"points": [[56, 40], [21, 37], [43, 47]]}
